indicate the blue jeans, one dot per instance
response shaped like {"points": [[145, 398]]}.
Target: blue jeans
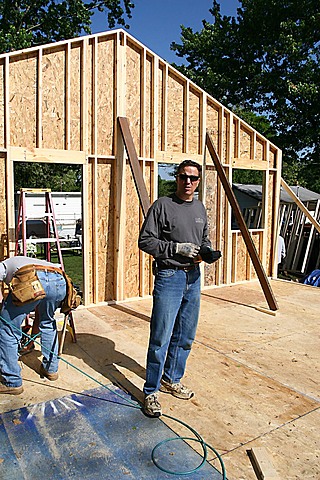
{"points": [[174, 320], [54, 285]]}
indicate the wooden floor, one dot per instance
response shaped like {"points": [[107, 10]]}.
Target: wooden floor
{"points": [[256, 376]]}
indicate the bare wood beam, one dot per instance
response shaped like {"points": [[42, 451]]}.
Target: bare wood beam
{"points": [[134, 164], [242, 225], [176, 157], [262, 464], [300, 205], [47, 155]]}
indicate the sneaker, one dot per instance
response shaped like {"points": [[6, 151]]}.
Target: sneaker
{"points": [[152, 407], [10, 390], [50, 376], [176, 389]]}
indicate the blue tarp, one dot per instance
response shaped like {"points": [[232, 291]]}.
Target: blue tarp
{"points": [[94, 435]]}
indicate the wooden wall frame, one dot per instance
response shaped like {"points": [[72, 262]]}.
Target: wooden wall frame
{"points": [[60, 103], [39, 155]]}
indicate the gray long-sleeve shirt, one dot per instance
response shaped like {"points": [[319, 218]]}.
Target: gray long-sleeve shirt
{"points": [[171, 220], [9, 266]]}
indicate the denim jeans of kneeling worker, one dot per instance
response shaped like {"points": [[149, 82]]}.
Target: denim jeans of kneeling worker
{"points": [[54, 285], [176, 304]]}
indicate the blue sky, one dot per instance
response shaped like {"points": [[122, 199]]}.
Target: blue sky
{"points": [[156, 23]]}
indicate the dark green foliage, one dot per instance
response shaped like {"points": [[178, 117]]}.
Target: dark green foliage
{"points": [[265, 60], [249, 177], [29, 23], [58, 177], [166, 187]]}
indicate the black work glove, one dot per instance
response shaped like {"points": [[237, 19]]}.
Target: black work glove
{"points": [[209, 255]]}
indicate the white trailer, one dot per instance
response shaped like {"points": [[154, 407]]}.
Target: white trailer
{"points": [[67, 210]]}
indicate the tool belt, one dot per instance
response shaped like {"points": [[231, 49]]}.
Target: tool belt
{"points": [[25, 286], [72, 300]]}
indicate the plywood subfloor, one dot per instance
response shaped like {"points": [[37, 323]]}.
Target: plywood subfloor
{"points": [[256, 376]]}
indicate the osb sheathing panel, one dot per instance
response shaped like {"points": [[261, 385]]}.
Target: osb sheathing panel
{"points": [[213, 122], [245, 143], [131, 260], [149, 106], [234, 136], [223, 239], [270, 220], [2, 118], [3, 209], [272, 158], [90, 230], [105, 229], [133, 91], [75, 98], [194, 123], [259, 149], [89, 94], [241, 260], [161, 86], [147, 271], [53, 99], [175, 114], [105, 96], [211, 206], [23, 96], [224, 153], [257, 240]]}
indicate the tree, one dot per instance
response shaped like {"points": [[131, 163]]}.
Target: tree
{"points": [[166, 187], [29, 23], [266, 60], [58, 177]]}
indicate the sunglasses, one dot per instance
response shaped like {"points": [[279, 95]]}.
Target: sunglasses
{"points": [[184, 177]]}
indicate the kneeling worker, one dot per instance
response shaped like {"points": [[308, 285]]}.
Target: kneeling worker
{"points": [[175, 232], [52, 291]]}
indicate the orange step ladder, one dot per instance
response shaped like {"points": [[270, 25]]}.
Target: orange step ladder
{"points": [[22, 245]]}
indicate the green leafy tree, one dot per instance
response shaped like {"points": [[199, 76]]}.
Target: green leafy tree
{"points": [[30, 23], [58, 177], [266, 59], [35, 22], [166, 187]]}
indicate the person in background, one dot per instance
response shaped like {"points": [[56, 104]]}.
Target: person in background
{"points": [[78, 231], [174, 232], [12, 316], [281, 253]]}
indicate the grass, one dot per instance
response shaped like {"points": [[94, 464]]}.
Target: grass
{"points": [[72, 265]]}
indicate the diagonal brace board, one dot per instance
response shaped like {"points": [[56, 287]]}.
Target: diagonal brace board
{"points": [[300, 205], [242, 225], [134, 164]]}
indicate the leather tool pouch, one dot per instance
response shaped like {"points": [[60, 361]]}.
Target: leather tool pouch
{"points": [[72, 299], [25, 286]]}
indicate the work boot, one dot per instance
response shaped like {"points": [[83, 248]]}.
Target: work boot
{"points": [[10, 390], [50, 376], [26, 349], [152, 407], [176, 389]]}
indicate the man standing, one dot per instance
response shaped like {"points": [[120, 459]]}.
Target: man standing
{"points": [[12, 316], [174, 232]]}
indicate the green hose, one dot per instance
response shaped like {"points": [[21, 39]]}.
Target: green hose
{"points": [[198, 438]]}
